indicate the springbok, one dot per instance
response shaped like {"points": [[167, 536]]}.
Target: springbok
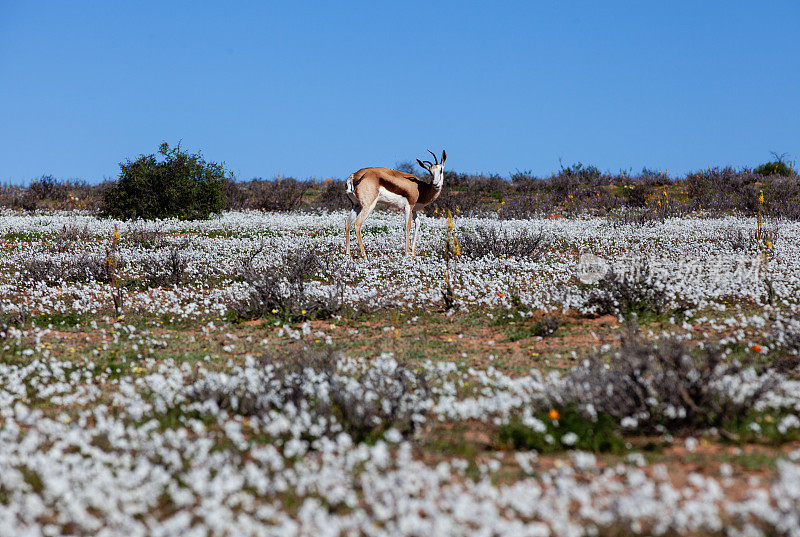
{"points": [[405, 191]]}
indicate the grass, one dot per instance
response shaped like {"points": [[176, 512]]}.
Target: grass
{"points": [[602, 435], [16, 236], [412, 336], [760, 428], [751, 461], [58, 319], [545, 326]]}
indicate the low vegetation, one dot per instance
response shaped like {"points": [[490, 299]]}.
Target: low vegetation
{"points": [[281, 290], [662, 386], [309, 386], [149, 188], [631, 291], [502, 244]]}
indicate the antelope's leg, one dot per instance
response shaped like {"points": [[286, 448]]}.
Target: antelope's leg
{"points": [[360, 242], [408, 225], [365, 210], [347, 236], [416, 232], [349, 219]]}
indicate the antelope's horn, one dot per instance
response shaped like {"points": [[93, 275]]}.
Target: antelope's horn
{"points": [[436, 160]]}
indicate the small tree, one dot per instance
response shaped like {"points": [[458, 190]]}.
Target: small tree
{"points": [[177, 185]]}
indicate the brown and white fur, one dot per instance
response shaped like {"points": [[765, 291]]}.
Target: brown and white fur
{"points": [[404, 191]]}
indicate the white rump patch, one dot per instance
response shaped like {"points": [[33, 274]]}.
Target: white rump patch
{"points": [[350, 190]]}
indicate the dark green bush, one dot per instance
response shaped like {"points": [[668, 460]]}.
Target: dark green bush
{"points": [[177, 185], [777, 167]]}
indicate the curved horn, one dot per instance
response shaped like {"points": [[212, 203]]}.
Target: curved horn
{"points": [[436, 160]]}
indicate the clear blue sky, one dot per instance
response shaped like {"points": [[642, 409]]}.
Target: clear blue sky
{"points": [[318, 89]]}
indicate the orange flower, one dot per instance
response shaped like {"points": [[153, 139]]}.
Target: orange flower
{"points": [[499, 294], [554, 415], [756, 348]]}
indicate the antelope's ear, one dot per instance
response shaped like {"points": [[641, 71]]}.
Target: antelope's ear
{"points": [[423, 165], [444, 156]]}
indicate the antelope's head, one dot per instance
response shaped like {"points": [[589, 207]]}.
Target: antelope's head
{"points": [[435, 168]]}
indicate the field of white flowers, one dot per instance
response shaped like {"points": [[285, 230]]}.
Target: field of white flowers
{"points": [[701, 261], [107, 427]]}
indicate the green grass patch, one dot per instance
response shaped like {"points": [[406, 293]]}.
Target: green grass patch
{"points": [[769, 429], [563, 430], [543, 327], [376, 230], [19, 236], [58, 319]]}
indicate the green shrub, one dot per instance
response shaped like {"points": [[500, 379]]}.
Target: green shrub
{"points": [[775, 167], [178, 185]]}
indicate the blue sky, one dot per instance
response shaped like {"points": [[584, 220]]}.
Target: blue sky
{"points": [[318, 89]]}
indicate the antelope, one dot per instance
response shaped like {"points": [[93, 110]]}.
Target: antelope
{"points": [[404, 191]]}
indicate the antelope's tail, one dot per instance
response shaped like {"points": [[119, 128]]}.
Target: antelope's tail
{"points": [[350, 187]]}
